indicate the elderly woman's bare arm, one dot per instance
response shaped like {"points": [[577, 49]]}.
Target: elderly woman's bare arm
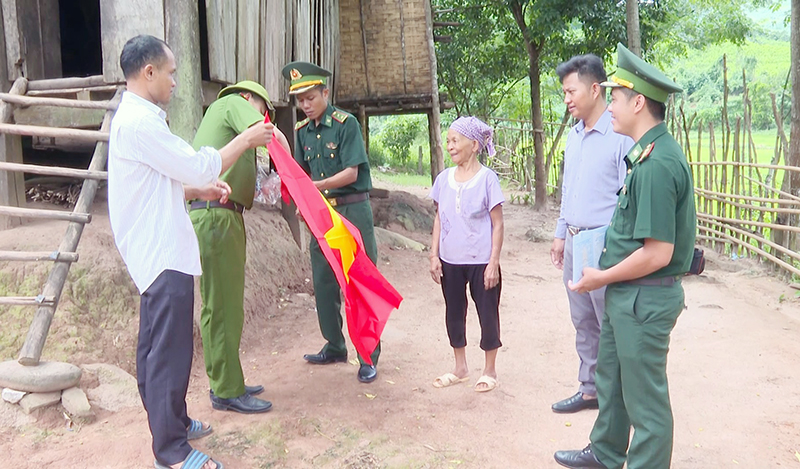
{"points": [[491, 276], [436, 264]]}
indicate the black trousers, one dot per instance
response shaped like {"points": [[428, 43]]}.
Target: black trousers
{"points": [[164, 361], [455, 278]]}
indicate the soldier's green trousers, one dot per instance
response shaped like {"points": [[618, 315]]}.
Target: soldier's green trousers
{"points": [[221, 235], [631, 376], [326, 288]]}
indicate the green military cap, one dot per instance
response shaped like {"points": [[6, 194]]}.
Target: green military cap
{"points": [[636, 74], [304, 76], [249, 86]]}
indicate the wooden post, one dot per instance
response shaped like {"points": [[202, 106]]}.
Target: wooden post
{"points": [[364, 118], [434, 117], [37, 334], [183, 36], [12, 184], [793, 157], [420, 169]]}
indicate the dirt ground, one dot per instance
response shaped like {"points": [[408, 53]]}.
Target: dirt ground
{"points": [[732, 366]]}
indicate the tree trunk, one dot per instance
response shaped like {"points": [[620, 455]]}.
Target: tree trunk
{"points": [[632, 20], [434, 116], [183, 37], [534, 50], [793, 157]]}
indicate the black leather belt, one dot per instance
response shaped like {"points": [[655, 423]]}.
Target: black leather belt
{"points": [[654, 282], [201, 204], [348, 199]]}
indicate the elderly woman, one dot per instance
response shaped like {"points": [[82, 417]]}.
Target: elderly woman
{"points": [[465, 247]]}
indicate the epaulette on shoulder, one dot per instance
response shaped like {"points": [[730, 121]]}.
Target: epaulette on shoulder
{"points": [[339, 116], [301, 124]]}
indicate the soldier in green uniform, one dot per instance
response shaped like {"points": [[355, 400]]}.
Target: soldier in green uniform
{"points": [[221, 235], [648, 248], [330, 148]]}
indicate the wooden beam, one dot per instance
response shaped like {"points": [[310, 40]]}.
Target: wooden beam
{"points": [[72, 91], [442, 39], [183, 36], [38, 131], [58, 102], [26, 300], [60, 83], [38, 256], [54, 171], [31, 350], [42, 214]]}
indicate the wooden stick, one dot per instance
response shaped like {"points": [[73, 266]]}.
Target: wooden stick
{"points": [[735, 163], [739, 205], [734, 221], [711, 238], [53, 132], [57, 83], [755, 237], [54, 171], [31, 350], [756, 250], [57, 102], [765, 200], [777, 191], [26, 300], [45, 214], [38, 256]]}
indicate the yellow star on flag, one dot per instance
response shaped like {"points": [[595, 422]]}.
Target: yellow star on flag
{"points": [[339, 238]]}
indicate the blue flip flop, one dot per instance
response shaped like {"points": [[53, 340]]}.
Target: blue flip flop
{"points": [[195, 460], [196, 430]]}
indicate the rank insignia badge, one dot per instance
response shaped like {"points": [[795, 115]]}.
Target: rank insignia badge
{"points": [[330, 146], [646, 152]]}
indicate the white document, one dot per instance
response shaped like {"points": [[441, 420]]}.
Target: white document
{"points": [[587, 246]]}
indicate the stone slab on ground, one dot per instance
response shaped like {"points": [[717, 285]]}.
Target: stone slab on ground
{"points": [[76, 403], [38, 400], [43, 378], [12, 396], [117, 390], [396, 240]]}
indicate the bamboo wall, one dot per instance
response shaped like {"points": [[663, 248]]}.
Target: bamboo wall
{"points": [[386, 47]]}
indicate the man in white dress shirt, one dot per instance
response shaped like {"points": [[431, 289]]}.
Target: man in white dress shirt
{"points": [[151, 174]]}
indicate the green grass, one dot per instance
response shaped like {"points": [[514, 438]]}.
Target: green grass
{"points": [[403, 179]]}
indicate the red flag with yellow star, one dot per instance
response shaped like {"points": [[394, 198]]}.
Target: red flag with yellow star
{"points": [[369, 297]]}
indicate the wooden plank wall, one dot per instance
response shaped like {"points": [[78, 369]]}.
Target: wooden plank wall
{"points": [[273, 41], [221, 21], [121, 20], [248, 29], [33, 38]]}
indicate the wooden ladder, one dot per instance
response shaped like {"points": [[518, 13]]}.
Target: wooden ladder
{"points": [[35, 93]]}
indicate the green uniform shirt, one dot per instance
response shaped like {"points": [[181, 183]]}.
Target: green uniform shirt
{"points": [[335, 144], [657, 201], [226, 118]]}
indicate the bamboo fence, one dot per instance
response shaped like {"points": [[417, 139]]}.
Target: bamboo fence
{"points": [[744, 208]]}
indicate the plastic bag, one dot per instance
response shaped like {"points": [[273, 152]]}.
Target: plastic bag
{"points": [[268, 186]]}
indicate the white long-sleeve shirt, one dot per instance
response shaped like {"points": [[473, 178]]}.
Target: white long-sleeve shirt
{"points": [[147, 167]]}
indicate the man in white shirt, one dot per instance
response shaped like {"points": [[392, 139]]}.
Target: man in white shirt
{"points": [[151, 174]]}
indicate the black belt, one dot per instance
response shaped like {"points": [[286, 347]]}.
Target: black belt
{"points": [[201, 204], [348, 199], [654, 282]]}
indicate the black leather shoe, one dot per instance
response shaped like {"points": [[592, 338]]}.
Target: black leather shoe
{"points": [[367, 373], [583, 459], [323, 358], [252, 390], [574, 404], [245, 404]]}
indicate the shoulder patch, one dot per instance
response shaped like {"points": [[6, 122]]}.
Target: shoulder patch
{"points": [[301, 124], [646, 152], [339, 116]]}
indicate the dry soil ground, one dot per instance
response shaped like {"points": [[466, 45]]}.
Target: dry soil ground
{"points": [[733, 369]]}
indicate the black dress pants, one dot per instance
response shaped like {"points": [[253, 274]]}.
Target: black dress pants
{"points": [[455, 278], [164, 361]]}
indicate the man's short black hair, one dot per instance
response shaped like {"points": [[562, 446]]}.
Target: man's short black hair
{"points": [[658, 110], [140, 51], [587, 66]]}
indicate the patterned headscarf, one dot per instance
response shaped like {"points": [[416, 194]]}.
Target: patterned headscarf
{"points": [[475, 129]]}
